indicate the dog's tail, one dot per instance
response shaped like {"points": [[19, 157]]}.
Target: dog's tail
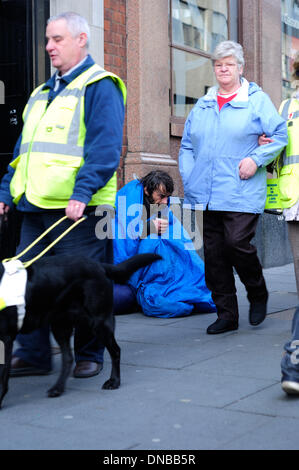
{"points": [[122, 272]]}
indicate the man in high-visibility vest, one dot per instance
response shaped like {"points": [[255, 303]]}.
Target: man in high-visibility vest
{"points": [[65, 162], [288, 183], [289, 195]]}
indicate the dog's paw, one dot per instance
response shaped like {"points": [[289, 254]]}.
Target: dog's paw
{"points": [[111, 384], [54, 392]]}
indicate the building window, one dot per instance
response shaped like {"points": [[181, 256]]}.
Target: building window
{"points": [[196, 27], [290, 42]]}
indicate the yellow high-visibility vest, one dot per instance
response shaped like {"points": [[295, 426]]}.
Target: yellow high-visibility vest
{"points": [[51, 151], [288, 164]]}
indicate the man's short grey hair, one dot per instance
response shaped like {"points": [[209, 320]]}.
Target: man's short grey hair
{"points": [[227, 48], [76, 23]]}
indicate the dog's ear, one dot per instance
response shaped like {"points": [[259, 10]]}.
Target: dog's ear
{"points": [[1, 270]]}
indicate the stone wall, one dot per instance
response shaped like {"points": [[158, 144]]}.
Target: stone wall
{"points": [[115, 53], [271, 240]]}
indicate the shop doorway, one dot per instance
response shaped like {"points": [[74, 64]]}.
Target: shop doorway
{"points": [[23, 65], [15, 71]]}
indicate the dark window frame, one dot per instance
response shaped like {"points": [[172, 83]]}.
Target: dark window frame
{"points": [[177, 123], [41, 61], [286, 83]]}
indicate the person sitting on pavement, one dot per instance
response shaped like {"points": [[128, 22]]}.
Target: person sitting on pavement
{"points": [[174, 286]]}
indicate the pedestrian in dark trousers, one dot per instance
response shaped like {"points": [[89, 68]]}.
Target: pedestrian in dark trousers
{"points": [[289, 194], [223, 169], [288, 183], [290, 360]]}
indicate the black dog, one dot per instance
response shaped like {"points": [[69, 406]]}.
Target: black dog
{"points": [[65, 292]]}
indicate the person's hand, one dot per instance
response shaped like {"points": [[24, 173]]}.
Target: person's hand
{"points": [[75, 209], [247, 168], [161, 225], [4, 208], [263, 140]]}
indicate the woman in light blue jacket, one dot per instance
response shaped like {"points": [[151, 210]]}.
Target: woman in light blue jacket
{"points": [[223, 169]]}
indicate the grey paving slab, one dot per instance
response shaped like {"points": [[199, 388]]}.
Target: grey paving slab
{"points": [[142, 414], [175, 356], [138, 318], [277, 279], [270, 402], [192, 328], [260, 360], [200, 389], [277, 301], [281, 435], [166, 357], [27, 398], [199, 428], [196, 321], [176, 426], [282, 293]]}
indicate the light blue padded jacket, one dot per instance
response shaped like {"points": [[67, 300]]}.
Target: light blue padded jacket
{"points": [[214, 143]]}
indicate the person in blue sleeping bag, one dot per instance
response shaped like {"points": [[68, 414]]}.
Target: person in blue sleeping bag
{"points": [[174, 286]]}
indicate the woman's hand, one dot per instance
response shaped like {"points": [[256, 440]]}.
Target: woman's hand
{"points": [[247, 168], [263, 140]]}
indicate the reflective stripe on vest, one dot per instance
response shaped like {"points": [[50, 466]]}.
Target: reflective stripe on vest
{"points": [[285, 112], [52, 154], [288, 170]]}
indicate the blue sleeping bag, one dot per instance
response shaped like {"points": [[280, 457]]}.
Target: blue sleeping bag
{"points": [[172, 287]]}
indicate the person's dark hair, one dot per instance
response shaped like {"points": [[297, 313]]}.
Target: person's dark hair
{"points": [[153, 180]]}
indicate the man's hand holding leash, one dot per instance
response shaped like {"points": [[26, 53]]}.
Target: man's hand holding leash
{"points": [[74, 209]]}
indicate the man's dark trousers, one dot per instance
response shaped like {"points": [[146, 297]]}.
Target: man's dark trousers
{"points": [[227, 237], [35, 347]]}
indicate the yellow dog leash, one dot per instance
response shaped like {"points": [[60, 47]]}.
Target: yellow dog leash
{"points": [[28, 263]]}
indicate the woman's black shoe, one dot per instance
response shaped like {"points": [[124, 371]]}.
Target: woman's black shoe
{"points": [[221, 326], [257, 312]]}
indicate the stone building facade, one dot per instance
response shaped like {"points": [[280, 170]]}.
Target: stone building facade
{"points": [[161, 49], [155, 40]]}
